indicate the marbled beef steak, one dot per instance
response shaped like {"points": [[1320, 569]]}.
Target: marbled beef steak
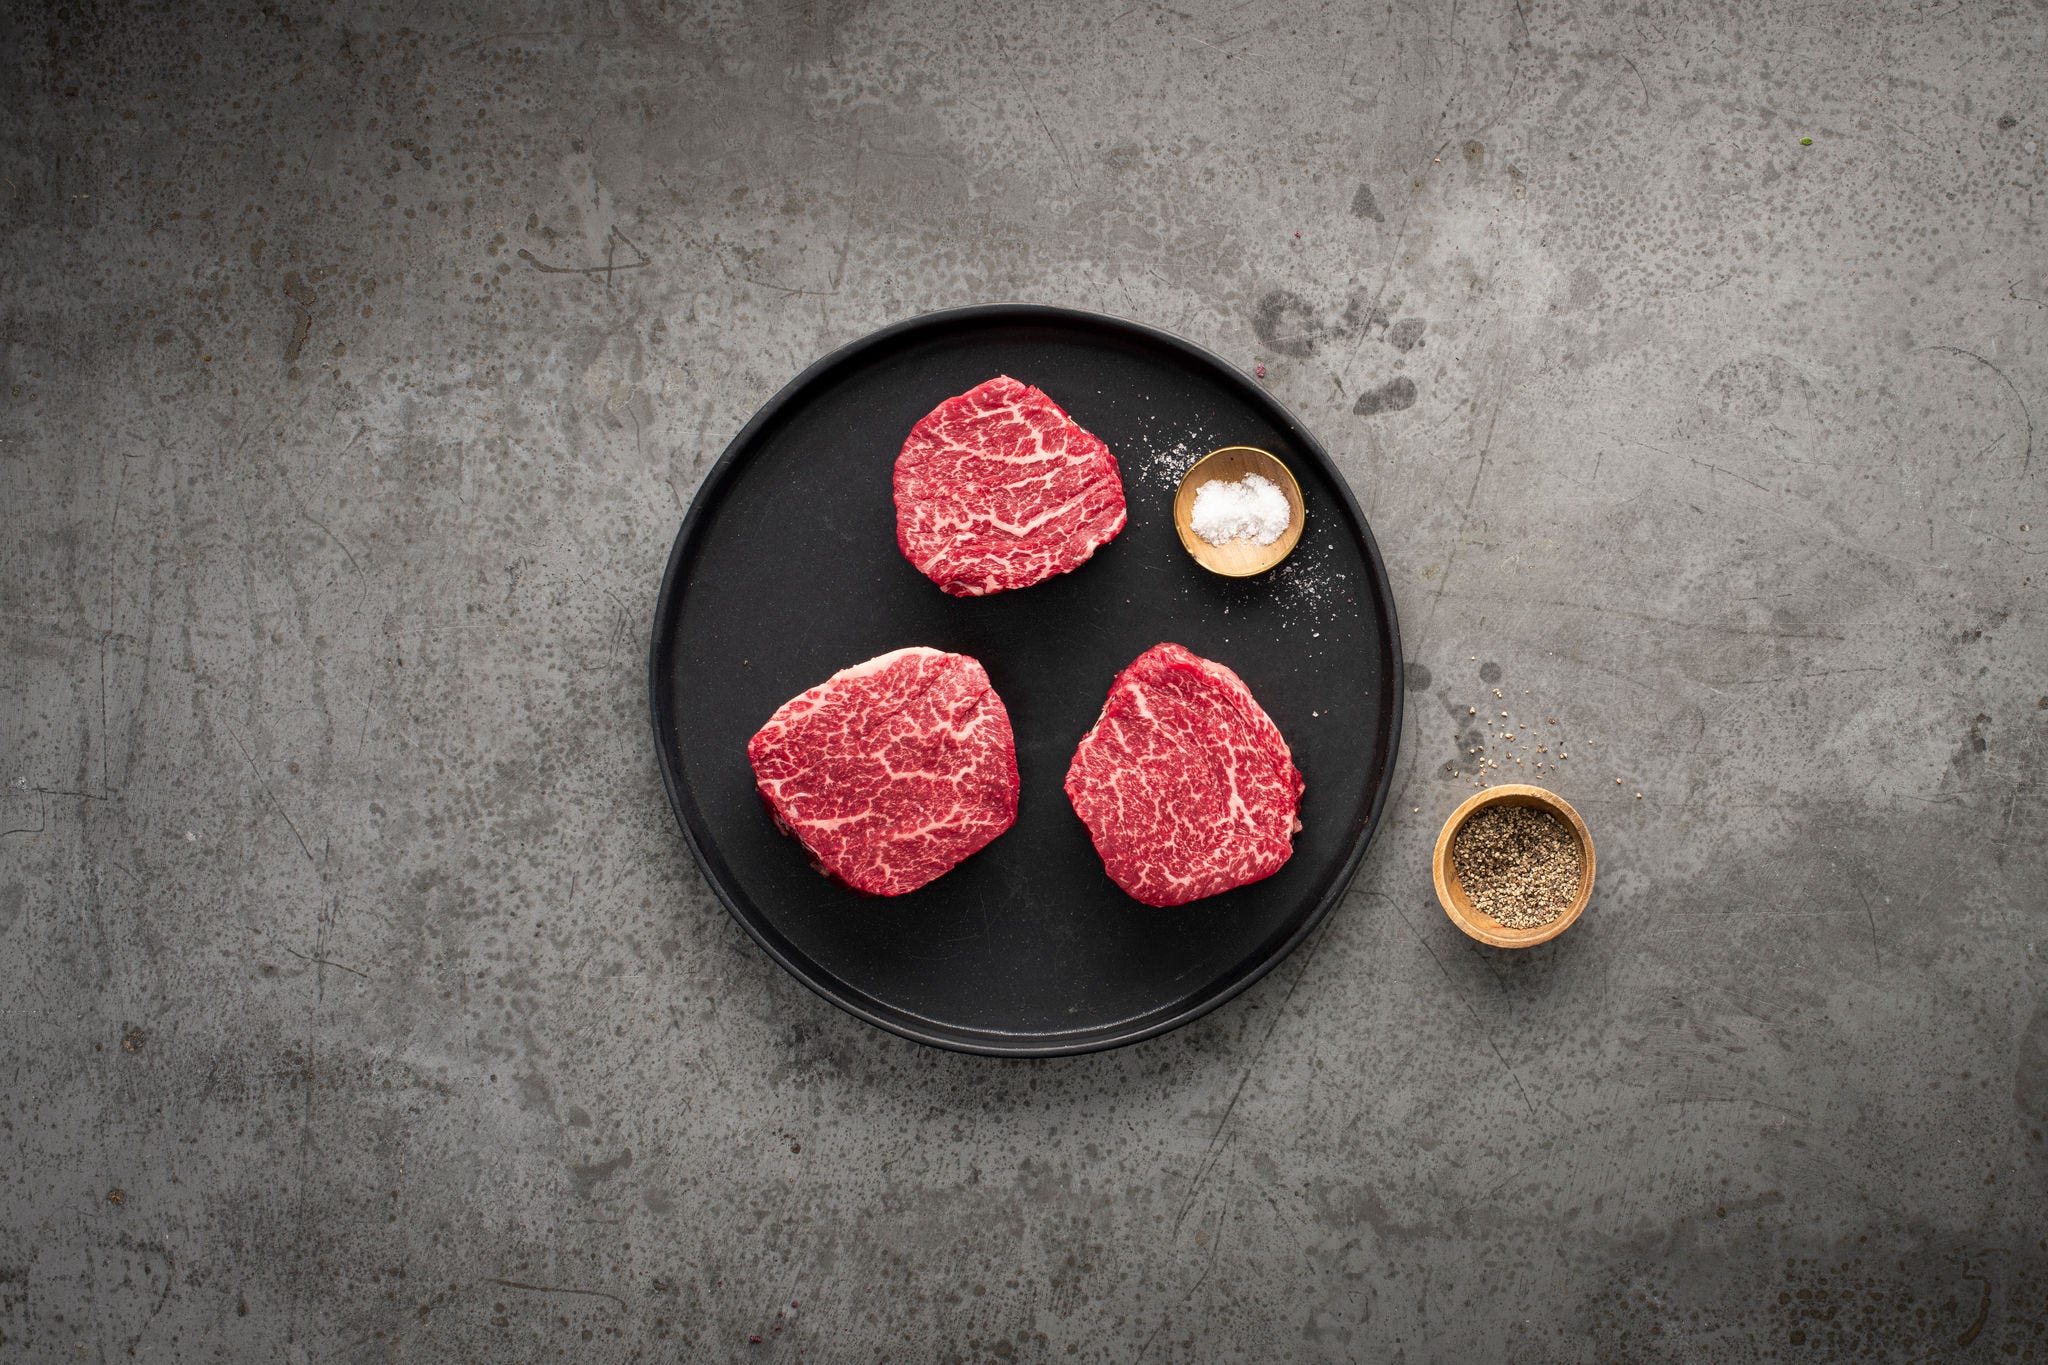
{"points": [[891, 771], [1185, 784], [998, 488]]}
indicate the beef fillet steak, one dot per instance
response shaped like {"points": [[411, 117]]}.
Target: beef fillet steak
{"points": [[891, 771], [998, 488], [1185, 784]]}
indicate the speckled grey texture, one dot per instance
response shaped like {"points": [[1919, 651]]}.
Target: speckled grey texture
{"points": [[360, 360]]}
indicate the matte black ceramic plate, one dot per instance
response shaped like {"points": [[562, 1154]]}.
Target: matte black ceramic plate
{"points": [[786, 570]]}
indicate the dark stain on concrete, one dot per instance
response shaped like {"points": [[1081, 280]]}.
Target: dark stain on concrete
{"points": [[1286, 323], [2030, 1091], [1360, 315], [586, 1178], [1883, 1294], [1393, 396]]}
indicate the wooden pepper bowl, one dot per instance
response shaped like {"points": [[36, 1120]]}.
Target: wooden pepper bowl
{"points": [[1451, 893]]}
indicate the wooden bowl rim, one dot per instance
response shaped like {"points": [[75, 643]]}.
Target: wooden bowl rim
{"points": [[1451, 895], [1197, 548]]}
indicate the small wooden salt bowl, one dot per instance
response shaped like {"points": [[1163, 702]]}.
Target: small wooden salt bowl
{"points": [[1236, 558], [1451, 893]]}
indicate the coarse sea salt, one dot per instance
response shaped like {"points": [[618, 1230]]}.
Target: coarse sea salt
{"points": [[1252, 508]]}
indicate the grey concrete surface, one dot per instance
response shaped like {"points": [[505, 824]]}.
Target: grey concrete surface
{"points": [[359, 999]]}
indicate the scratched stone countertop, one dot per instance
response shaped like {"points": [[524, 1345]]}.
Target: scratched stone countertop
{"points": [[359, 998]]}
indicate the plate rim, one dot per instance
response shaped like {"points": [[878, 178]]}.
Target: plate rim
{"points": [[660, 645]]}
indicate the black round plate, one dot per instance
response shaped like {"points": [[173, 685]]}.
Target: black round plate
{"points": [[786, 570]]}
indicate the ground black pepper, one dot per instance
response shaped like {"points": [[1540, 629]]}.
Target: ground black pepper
{"points": [[1518, 864]]}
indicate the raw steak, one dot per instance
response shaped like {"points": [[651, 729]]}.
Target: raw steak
{"points": [[890, 772], [1185, 784], [999, 489]]}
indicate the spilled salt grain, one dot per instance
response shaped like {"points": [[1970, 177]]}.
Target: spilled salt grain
{"points": [[1162, 467], [1252, 508]]}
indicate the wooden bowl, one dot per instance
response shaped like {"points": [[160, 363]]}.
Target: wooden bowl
{"points": [[1236, 558], [1451, 892]]}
